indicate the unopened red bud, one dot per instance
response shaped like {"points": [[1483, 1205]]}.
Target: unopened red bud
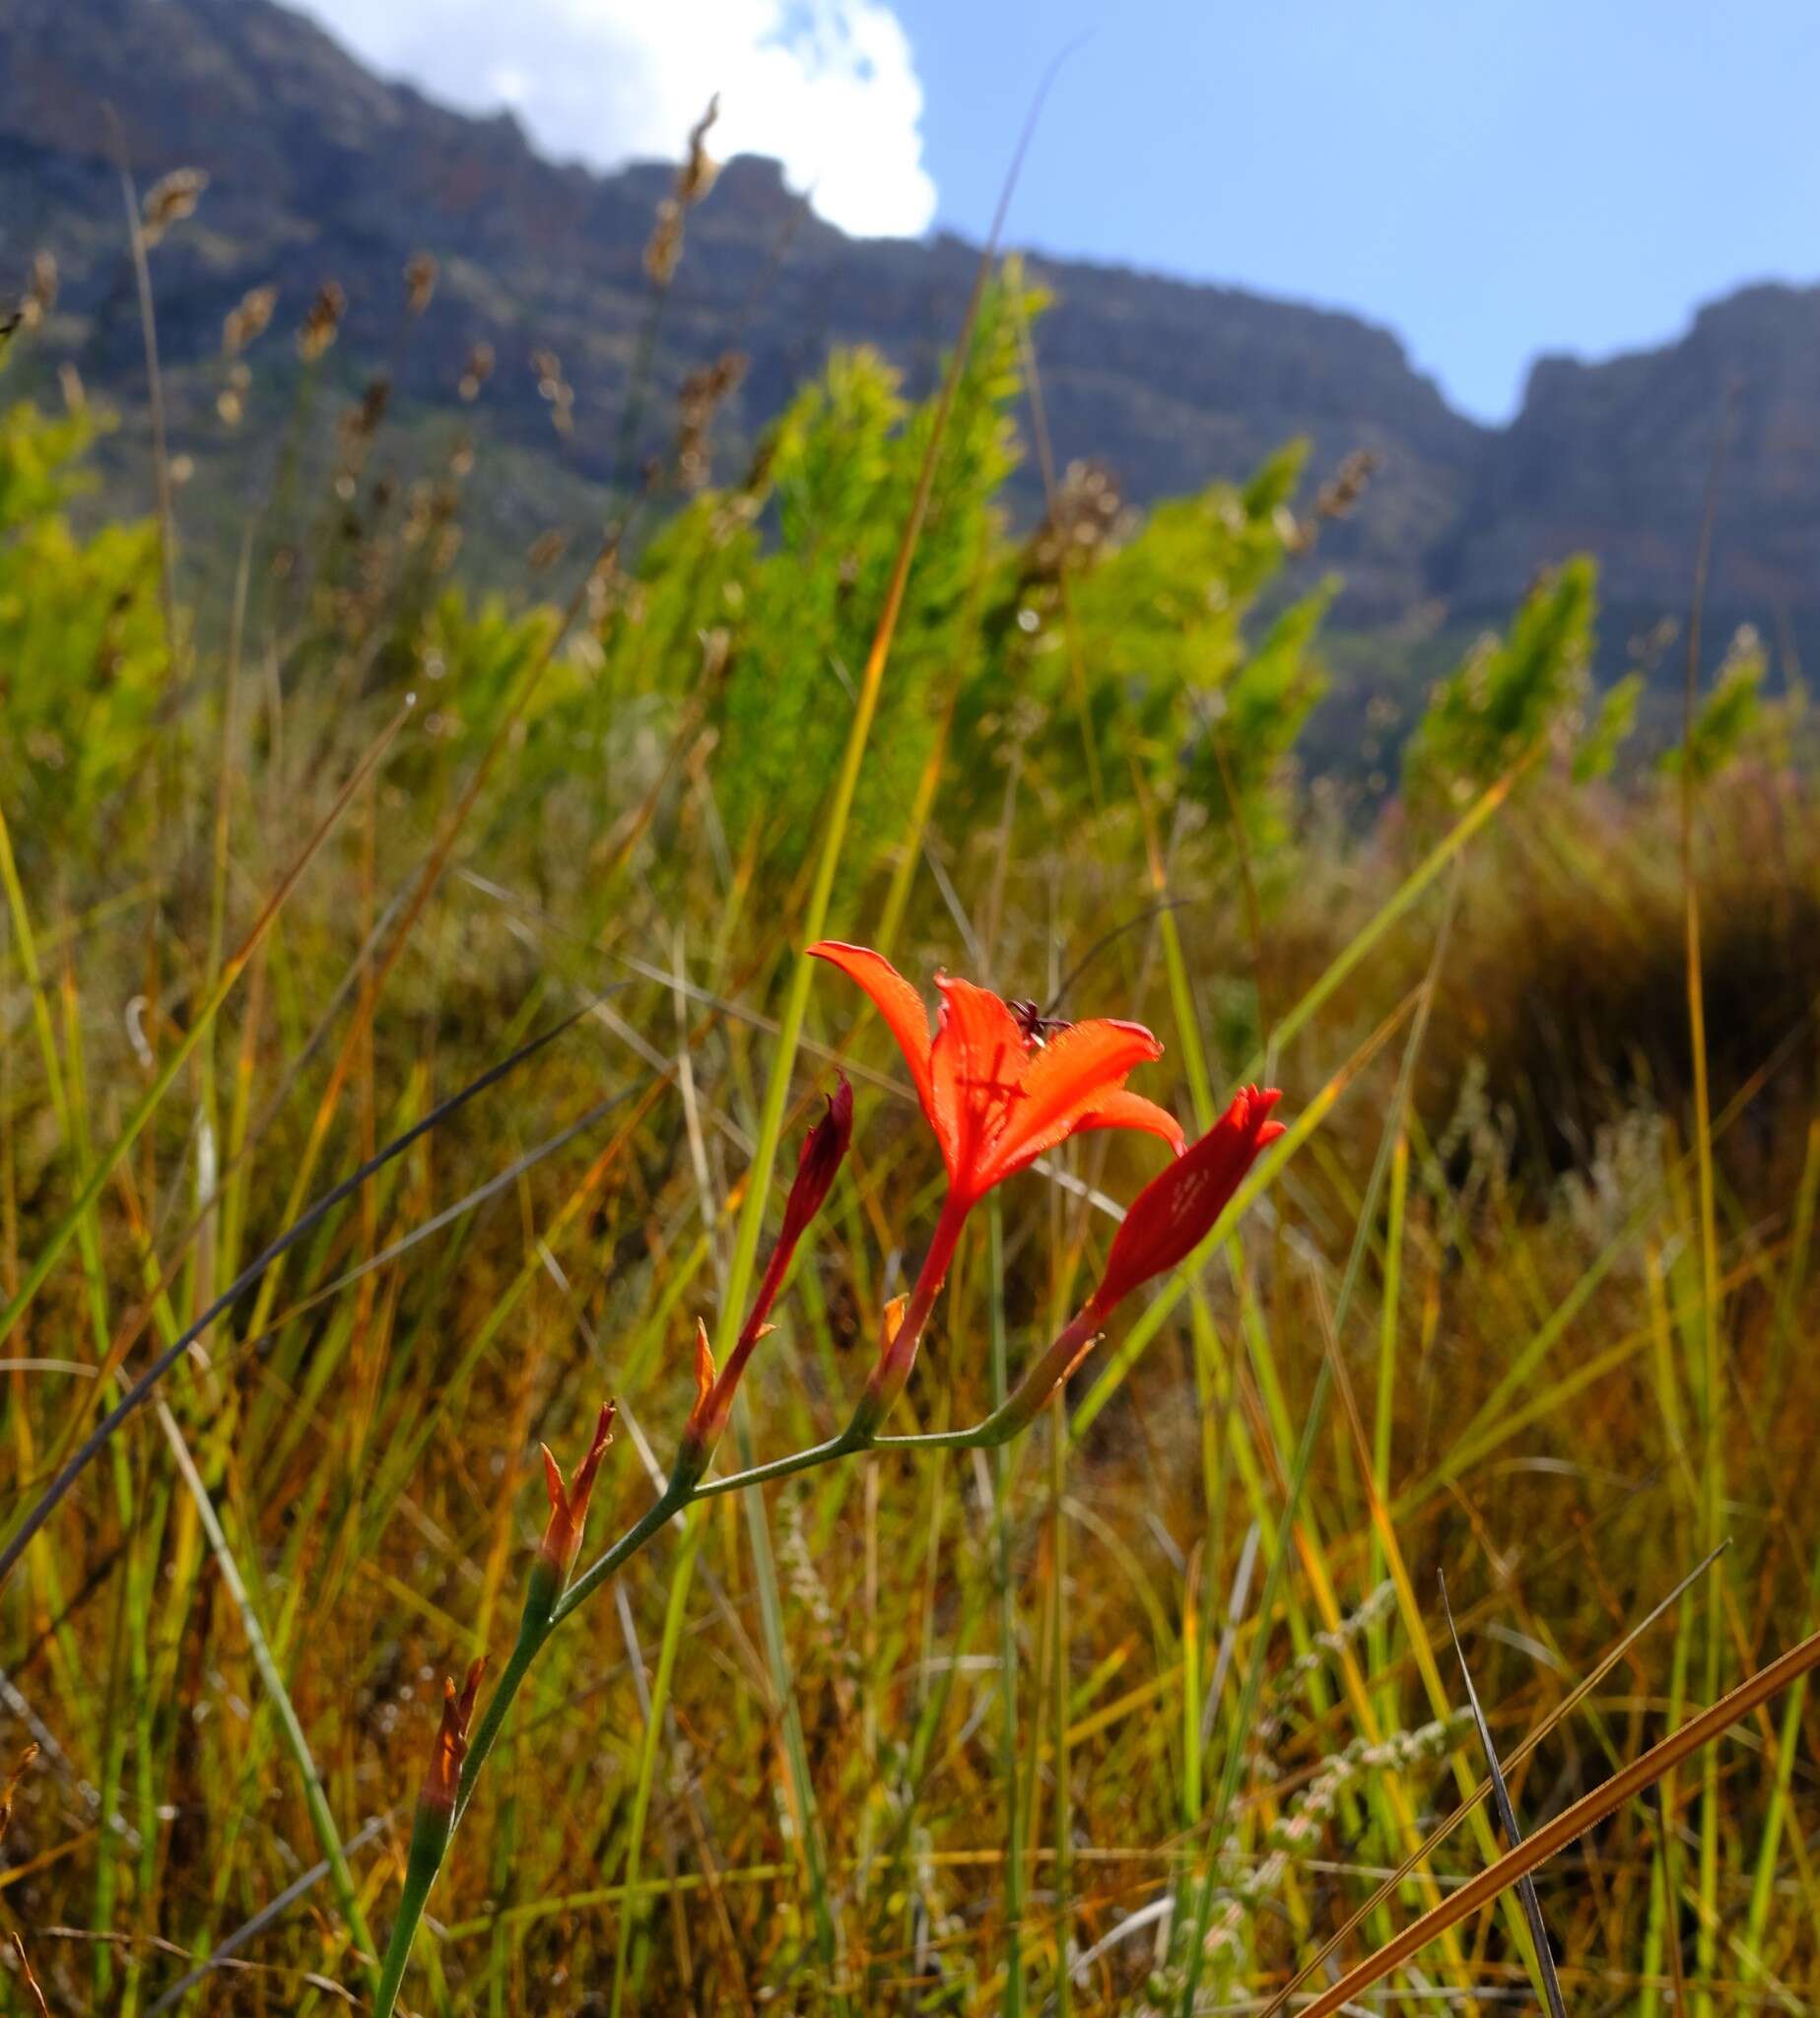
{"points": [[443, 1779], [562, 1541], [817, 1165], [1175, 1211], [697, 1425]]}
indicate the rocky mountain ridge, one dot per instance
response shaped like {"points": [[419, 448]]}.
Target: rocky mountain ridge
{"points": [[320, 172]]}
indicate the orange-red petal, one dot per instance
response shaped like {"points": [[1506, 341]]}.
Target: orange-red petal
{"points": [[1122, 1110], [898, 1003], [1070, 1077], [979, 1059]]}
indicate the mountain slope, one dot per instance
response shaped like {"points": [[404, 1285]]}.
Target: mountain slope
{"points": [[319, 171]]}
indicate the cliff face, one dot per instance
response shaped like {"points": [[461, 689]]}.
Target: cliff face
{"points": [[1616, 457], [319, 171]]}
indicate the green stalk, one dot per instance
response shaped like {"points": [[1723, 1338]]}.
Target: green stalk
{"points": [[290, 1725], [1382, 1410], [1007, 1627], [535, 1628], [797, 1751], [1058, 1709], [674, 1613], [149, 1101], [1788, 1742], [1298, 1476]]}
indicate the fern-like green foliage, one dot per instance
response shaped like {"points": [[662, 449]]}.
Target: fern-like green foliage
{"points": [[1728, 716], [82, 640], [843, 468], [1597, 750], [1097, 654], [1512, 692], [1126, 658]]}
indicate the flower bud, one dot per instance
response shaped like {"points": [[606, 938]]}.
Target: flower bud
{"points": [[817, 1165], [436, 1802], [1175, 1211], [890, 1371], [443, 1779], [696, 1428], [824, 1148], [562, 1542]]}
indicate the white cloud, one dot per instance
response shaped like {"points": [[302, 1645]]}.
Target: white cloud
{"points": [[827, 86]]}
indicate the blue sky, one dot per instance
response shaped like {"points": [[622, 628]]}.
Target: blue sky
{"points": [[1492, 179]]}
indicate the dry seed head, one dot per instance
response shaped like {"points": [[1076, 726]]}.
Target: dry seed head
{"points": [[323, 323], [666, 247], [475, 372], [545, 549], [703, 393], [552, 386], [171, 199], [246, 320], [1088, 515], [696, 178], [1343, 489], [363, 421], [40, 290], [419, 281]]}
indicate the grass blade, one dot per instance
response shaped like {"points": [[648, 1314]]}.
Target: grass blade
{"points": [[1507, 1814], [321, 1816], [136, 1395], [1572, 1823], [148, 1103], [1439, 1834]]}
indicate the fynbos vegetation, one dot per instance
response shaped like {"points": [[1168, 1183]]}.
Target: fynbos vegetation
{"points": [[983, 1553]]}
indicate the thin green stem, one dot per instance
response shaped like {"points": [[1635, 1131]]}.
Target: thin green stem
{"points": [[784, 1467], [411, 1903], [531, 1636], [1007, 1639], [668, 1503], [680, 1494]]}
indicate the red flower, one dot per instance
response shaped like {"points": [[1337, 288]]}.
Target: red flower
{"points": [[1172, 1215], [562, 1540], [997, 1098], [1167, 1221]]}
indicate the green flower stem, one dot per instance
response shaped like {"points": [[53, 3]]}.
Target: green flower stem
{"points": [[428, 1845], [428, 1840], [842, 1446], [685, 1487], [1017, 1414], [661, 1511]]}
